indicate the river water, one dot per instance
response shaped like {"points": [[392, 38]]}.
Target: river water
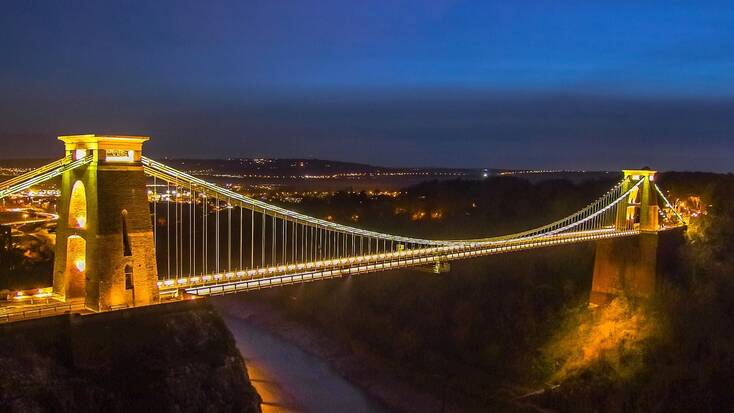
{"points": [[287, 378]]}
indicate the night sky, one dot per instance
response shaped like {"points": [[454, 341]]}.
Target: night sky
{"points": [[511, 84]]}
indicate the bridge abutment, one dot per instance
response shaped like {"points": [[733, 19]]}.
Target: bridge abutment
{"points": [[629, 265], [105, 245], [624, 266]]}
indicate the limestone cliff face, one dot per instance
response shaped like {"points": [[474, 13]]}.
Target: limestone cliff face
{"points": [[174, 358]]}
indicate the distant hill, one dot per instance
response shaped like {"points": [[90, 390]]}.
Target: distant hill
{"points": [[302, 167], [321, 168]]}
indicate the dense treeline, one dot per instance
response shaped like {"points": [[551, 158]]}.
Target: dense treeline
{"points": [[458, 208], [475, 331], [495, 330]]}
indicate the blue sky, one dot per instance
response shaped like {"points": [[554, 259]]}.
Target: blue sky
{"points": [[455, 83]]}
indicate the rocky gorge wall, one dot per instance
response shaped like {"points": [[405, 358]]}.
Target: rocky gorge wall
{"points": [[178, 358]]}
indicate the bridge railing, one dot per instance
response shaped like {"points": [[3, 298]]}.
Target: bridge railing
{"points": [[206, 227], [681, 220], [597, 215], [42, 175], [33, 173], [230, 283], [41, 311], [183, 179]]}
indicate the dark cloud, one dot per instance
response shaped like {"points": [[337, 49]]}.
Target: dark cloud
{"points": [[462, 83], [449, 128]]}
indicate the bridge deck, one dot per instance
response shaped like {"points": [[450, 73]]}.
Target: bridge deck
{"points": [[327, 249], [48, 307], [224, 283]]}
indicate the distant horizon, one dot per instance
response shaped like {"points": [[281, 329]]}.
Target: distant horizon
{"points": [[375, 165], [551, 85]]}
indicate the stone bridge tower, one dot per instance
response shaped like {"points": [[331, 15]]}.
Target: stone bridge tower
{"points": [[105, 250], [628, 265]]}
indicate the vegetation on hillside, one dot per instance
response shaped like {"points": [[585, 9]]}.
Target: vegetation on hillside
{"points": [[496, 330]]}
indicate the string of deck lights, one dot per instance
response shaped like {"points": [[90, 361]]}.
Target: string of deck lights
{"points": [[292, 243]]}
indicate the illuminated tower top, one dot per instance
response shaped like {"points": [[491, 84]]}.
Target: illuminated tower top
{"points": [[105, 148], [637, 174], [640, 209]]}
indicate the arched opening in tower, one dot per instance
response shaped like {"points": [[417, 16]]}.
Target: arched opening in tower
{"points": [[633, 209], [78, 206], [76, 266]]}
